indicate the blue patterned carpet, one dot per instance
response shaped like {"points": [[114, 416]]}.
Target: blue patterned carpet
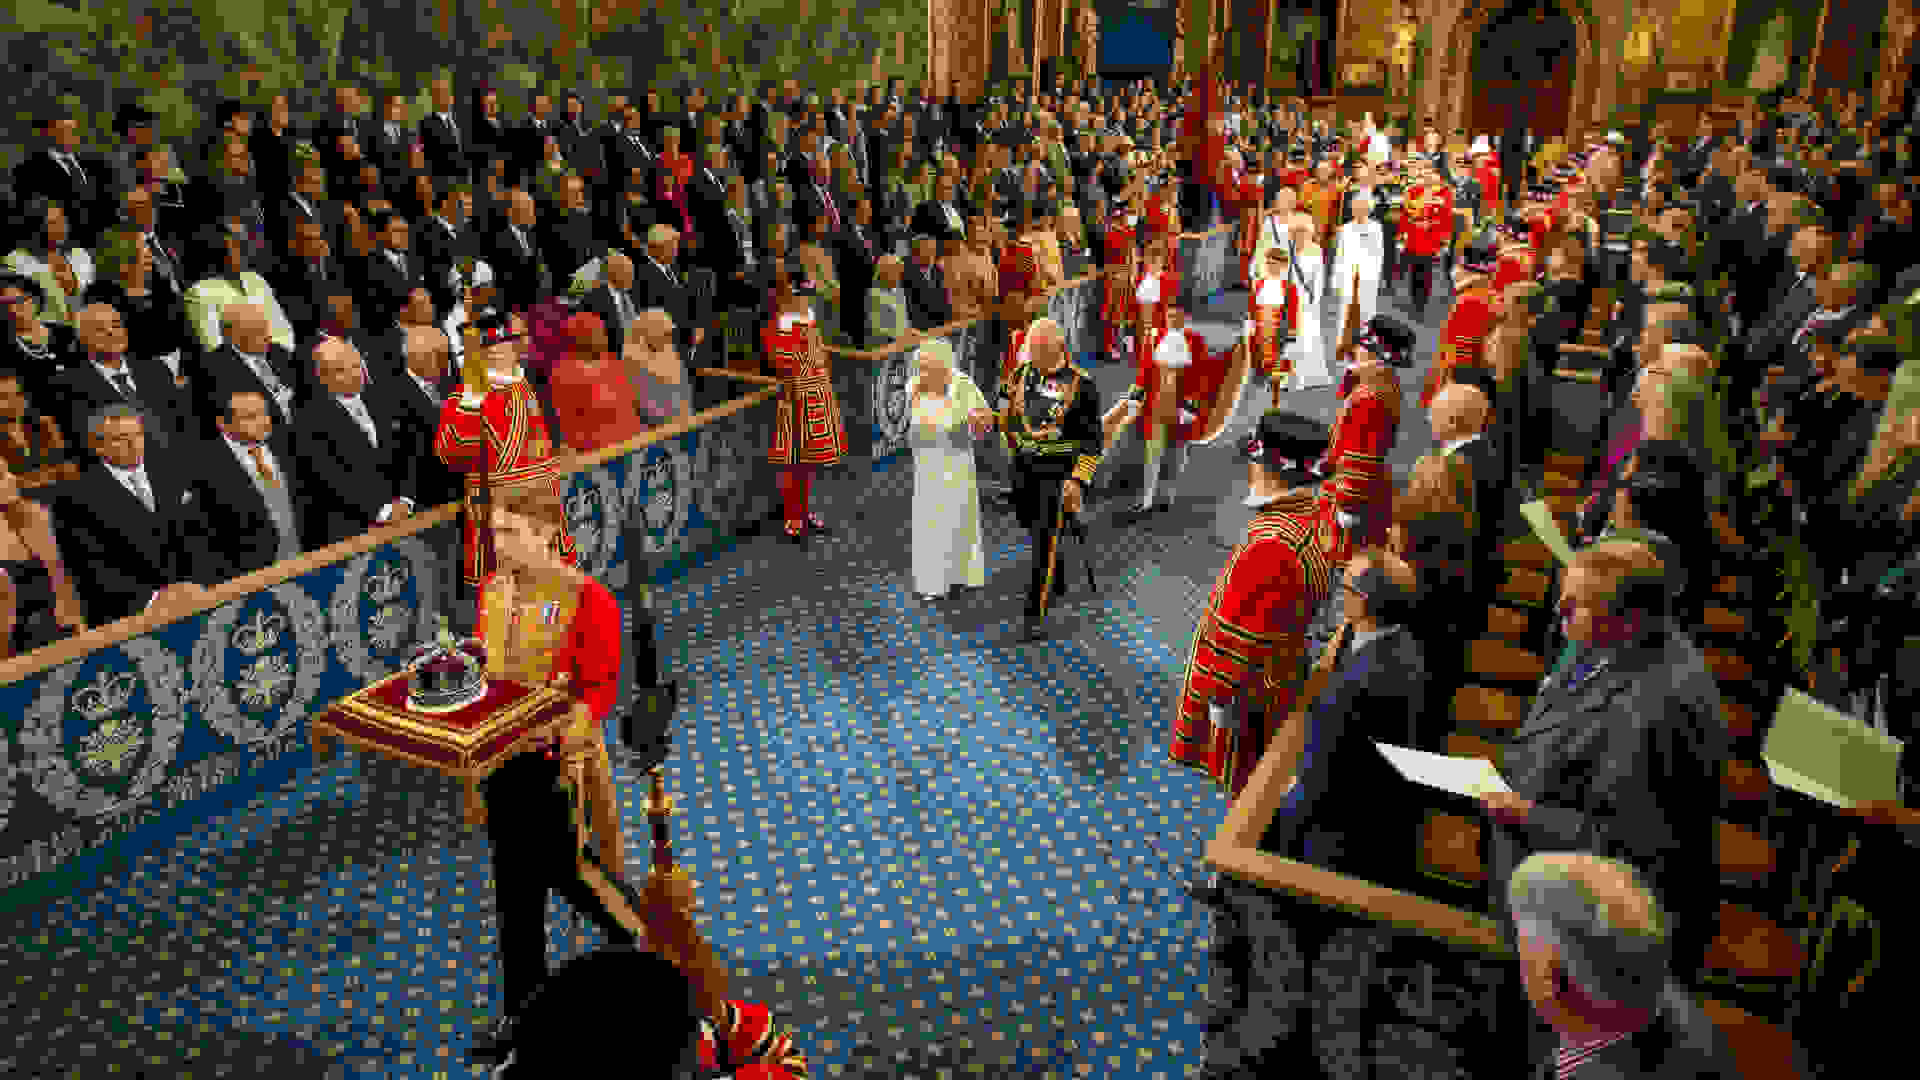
{"points": [[932, 850]]}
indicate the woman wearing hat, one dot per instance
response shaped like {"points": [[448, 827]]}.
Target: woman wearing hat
{"points": [[947, 411]]}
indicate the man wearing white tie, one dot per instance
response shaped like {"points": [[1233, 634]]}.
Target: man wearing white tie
{"points": [[1359, 252], [356, 475]]}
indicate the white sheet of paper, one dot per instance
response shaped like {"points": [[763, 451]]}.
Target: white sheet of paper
{"points": [[1472, 777], [1830, 755]]}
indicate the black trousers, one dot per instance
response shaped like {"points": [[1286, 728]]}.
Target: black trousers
{"points": [[530, 830], [646, 648], [1390, 265], [1420, 270], [1036, 499]]}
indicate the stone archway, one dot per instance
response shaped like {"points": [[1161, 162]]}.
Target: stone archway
{"points": [[1445, 90]]}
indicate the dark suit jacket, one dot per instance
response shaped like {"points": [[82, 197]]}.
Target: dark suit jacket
{"points": [[81, 389], [247, 539], [1351, 813], [418, 419], [856, 249], [439, 250], [40, 175], [521, 275], [1682, 1043], [927, 303], [530, 144], [222, 372], [446, 151], [348, 480], [584, 151], [127, 551], [1625, 765], [928, 219], [383, 287], [569, 241], [726, 256], [654, 289], [626, 152], [302, 287]]}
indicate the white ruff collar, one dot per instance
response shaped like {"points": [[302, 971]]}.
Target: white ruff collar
{"points": [[1173, 351], [1273, 291]]}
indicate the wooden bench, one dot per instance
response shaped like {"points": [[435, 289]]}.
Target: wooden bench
{"points": [[1499, 661], [1488, 709]]}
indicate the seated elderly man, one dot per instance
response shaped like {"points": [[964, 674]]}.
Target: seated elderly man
{"points": [[1595, 960], [654, 369]]}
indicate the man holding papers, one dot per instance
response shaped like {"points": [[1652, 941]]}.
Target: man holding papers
{"points": [[1621, 753], [1249, 652], [1349, 812]]}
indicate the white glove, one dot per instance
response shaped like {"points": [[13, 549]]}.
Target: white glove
{"points": [[1188, 416], [1346, 520], [1223, 718], [471, 400], [1246, 329]]}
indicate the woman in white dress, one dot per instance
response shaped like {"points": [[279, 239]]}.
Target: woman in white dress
{"points": [[948, 411], [1308, 273]]}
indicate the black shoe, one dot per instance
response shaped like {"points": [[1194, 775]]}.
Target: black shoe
{"points": [[494, 1044], [797, 539], [1033, 628], [817, 527]]}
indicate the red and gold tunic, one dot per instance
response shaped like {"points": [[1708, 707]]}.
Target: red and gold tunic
{"points": [[563, 628], [1517, 263], [1116, 302], [807, 429], [1250, 648], [1151, 383], [1249, 204], [504, 442], [1150, 319], [1359, 480], [1321, 200], [1274, 325], [1427, 219], [745, 1037], [1488, 173], [1019, 271], [1461, 338], [1162, 228]]}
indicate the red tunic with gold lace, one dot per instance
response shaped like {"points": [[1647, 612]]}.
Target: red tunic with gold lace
{"points": [[1273, 326], [1162, 228], [1488, 174], [1116, 302], [746, 1037], [505, 442], [554, 629], [1462, 338], [1359, 480], [1250, 647], [1150, 319], [1517, 263], [807, 429], [1019, 271]]}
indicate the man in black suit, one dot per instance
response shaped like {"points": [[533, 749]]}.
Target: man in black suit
{"points": [[626, 149], [940, 218], [580, 143], [707, 202], [659, 284], [349, 451], [139, 217], [440, 130], [856, 249], [390, 271], [56, 172], [612, 299], [690, 118], [444, 239], [925, 283], [388, 139], [530, 137], [1694, 157], [131, 521], [1767, 343], [514, 254], [568, 240], [245, 481], [247, 359], [414, 396], [111, 375]]}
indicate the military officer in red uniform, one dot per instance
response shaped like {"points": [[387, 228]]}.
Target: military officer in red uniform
{"points": [[1359, 486], [1249, 653], [1163, 227], [1169, 404], [1486, 169], [1464, 335], [1426, 229], [1157, 288], [1273, 321], [807, 429], [496, 433], [1020, 276]]}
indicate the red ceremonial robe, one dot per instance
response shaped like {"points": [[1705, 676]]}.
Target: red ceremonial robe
{"points": [[1251, 645], [1461, 338], [1273, 326], [807, 429], [504, 442], [586, 649], [755, 1046], [1360, 482], [1116, 302], [1148, 383]]}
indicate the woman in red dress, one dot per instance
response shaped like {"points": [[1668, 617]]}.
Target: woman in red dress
{"points": [[593, 402], [807, 429]]}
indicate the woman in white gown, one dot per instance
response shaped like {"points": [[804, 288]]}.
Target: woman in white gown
{"points": [[948, 412], [1309, 275]]}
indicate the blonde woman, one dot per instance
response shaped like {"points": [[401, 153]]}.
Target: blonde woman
{"points": [[1308, 274], [948, 411]]}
